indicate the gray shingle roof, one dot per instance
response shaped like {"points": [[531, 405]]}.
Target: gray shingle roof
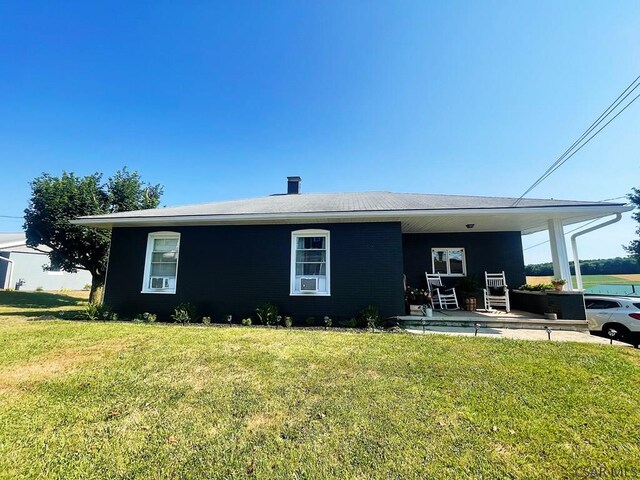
{"points": [[11, 239], [342, 202]]}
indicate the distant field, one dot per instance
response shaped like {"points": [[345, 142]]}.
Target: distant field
{"points": [[590, 280]]}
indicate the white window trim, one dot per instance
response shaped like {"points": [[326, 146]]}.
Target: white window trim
{"points": [[292, 283], [147, 263], [449, 274]]}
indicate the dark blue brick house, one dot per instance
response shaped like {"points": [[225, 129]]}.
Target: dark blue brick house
{"points": [[320, 254]]}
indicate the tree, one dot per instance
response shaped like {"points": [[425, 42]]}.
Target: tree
{"points": [[633, 248], [56, 201]]}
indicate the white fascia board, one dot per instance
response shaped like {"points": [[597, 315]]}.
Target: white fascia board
{"points": [[385, 215], [7, 246]]}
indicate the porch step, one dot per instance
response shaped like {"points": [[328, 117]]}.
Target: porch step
{"points": [[493, 322]]}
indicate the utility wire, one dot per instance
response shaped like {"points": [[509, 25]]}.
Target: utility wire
{"points": [[566, 155], [9, 216], [597, 122], [549, 172], [566, 233], [577, 228]]}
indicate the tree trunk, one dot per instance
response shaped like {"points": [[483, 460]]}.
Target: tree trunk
{"points": [[97, 288]]}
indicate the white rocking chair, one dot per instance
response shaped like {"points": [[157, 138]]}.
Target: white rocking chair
{"points": [[443, 298], [496, 293]]}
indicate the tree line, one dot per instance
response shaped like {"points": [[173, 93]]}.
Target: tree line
{"points": [[601, 266]]}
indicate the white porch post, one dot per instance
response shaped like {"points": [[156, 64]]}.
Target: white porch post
{"points": [[559, 254]]}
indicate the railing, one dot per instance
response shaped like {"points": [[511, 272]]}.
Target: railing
{"points": [[614, 289]]}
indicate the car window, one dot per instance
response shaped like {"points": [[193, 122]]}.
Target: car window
{"points": [[637, 305], [596, 304]]}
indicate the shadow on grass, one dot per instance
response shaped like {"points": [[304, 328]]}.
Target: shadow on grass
{"points": [[33, 304]]}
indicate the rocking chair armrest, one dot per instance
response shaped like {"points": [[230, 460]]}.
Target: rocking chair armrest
{"points": [[446, 290]]}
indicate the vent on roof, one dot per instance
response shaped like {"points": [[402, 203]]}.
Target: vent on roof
{"points": [[293, 185]]}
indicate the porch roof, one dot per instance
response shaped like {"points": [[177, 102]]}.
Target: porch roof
{"points": [[416, 212]]}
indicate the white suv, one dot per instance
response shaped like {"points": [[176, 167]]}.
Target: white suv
{"points": [[614, 317]]}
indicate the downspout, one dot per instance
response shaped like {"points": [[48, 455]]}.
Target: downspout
{"points": [[9, 277], [574, 246]]}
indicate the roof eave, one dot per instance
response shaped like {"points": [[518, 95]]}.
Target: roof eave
{"points": [[389, 215]]}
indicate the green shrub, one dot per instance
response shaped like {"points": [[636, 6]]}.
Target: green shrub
{"points": [[267, 313], [246, 321], [327, 322], [206, 320], [288, 322], [370, 317], [185, 313], [540, 287], [99, 311], [86, 287], [351, 323], [39, 289], [146, 317], [310, 321]]}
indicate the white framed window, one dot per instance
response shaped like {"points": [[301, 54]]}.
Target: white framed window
{"points": [[161, 263], [310, 262], [449, 261]]}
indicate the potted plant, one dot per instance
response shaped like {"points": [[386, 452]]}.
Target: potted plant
{"points": [[558, 284], [415, 298], [467, 287]]}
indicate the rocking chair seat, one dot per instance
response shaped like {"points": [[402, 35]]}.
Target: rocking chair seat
{"points": [[496, 293], [444, 297]]}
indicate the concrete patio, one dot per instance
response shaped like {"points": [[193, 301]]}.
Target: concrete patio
{"points": [[518, 334], [515, 319]]}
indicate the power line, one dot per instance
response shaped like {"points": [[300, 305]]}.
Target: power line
{"points": [[569, 153], [580, 147], [9, 216], [566, 233], [577, 228]]}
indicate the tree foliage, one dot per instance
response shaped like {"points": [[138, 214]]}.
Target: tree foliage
{"points": [[56, 201], [607, 266], [633, 248]]}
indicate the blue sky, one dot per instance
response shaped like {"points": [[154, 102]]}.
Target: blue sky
{"points": [[223, 100]]}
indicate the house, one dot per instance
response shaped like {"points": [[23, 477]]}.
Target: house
{"points": [[321, 254], [25, 268]]}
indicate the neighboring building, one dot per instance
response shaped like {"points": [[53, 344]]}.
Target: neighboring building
{"points": [[321, 254], [25, 268]]}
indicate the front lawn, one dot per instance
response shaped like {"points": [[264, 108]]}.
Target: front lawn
{"points": [[122, 400]]}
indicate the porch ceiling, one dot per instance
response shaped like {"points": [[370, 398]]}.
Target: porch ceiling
{"points": [[486, 221]]}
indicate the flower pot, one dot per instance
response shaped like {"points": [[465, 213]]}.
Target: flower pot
{"points": [[558, 287], [471, 304], [416, 310]]}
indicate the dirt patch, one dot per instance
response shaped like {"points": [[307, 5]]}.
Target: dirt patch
{"points": [[631, 277], [263, 421], [61, 362]]}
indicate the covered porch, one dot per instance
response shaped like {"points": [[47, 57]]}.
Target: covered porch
{"points": [[462, 245]]}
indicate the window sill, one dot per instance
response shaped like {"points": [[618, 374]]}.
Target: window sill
{"points": [[165, 292], [298, 294]]}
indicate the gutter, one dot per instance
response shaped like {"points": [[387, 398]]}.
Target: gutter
{"points": [[9, 277], [574, 246]]}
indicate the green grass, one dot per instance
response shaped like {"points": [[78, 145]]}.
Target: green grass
{"points": [[591, 280], [35, 304], [84, 400]]}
